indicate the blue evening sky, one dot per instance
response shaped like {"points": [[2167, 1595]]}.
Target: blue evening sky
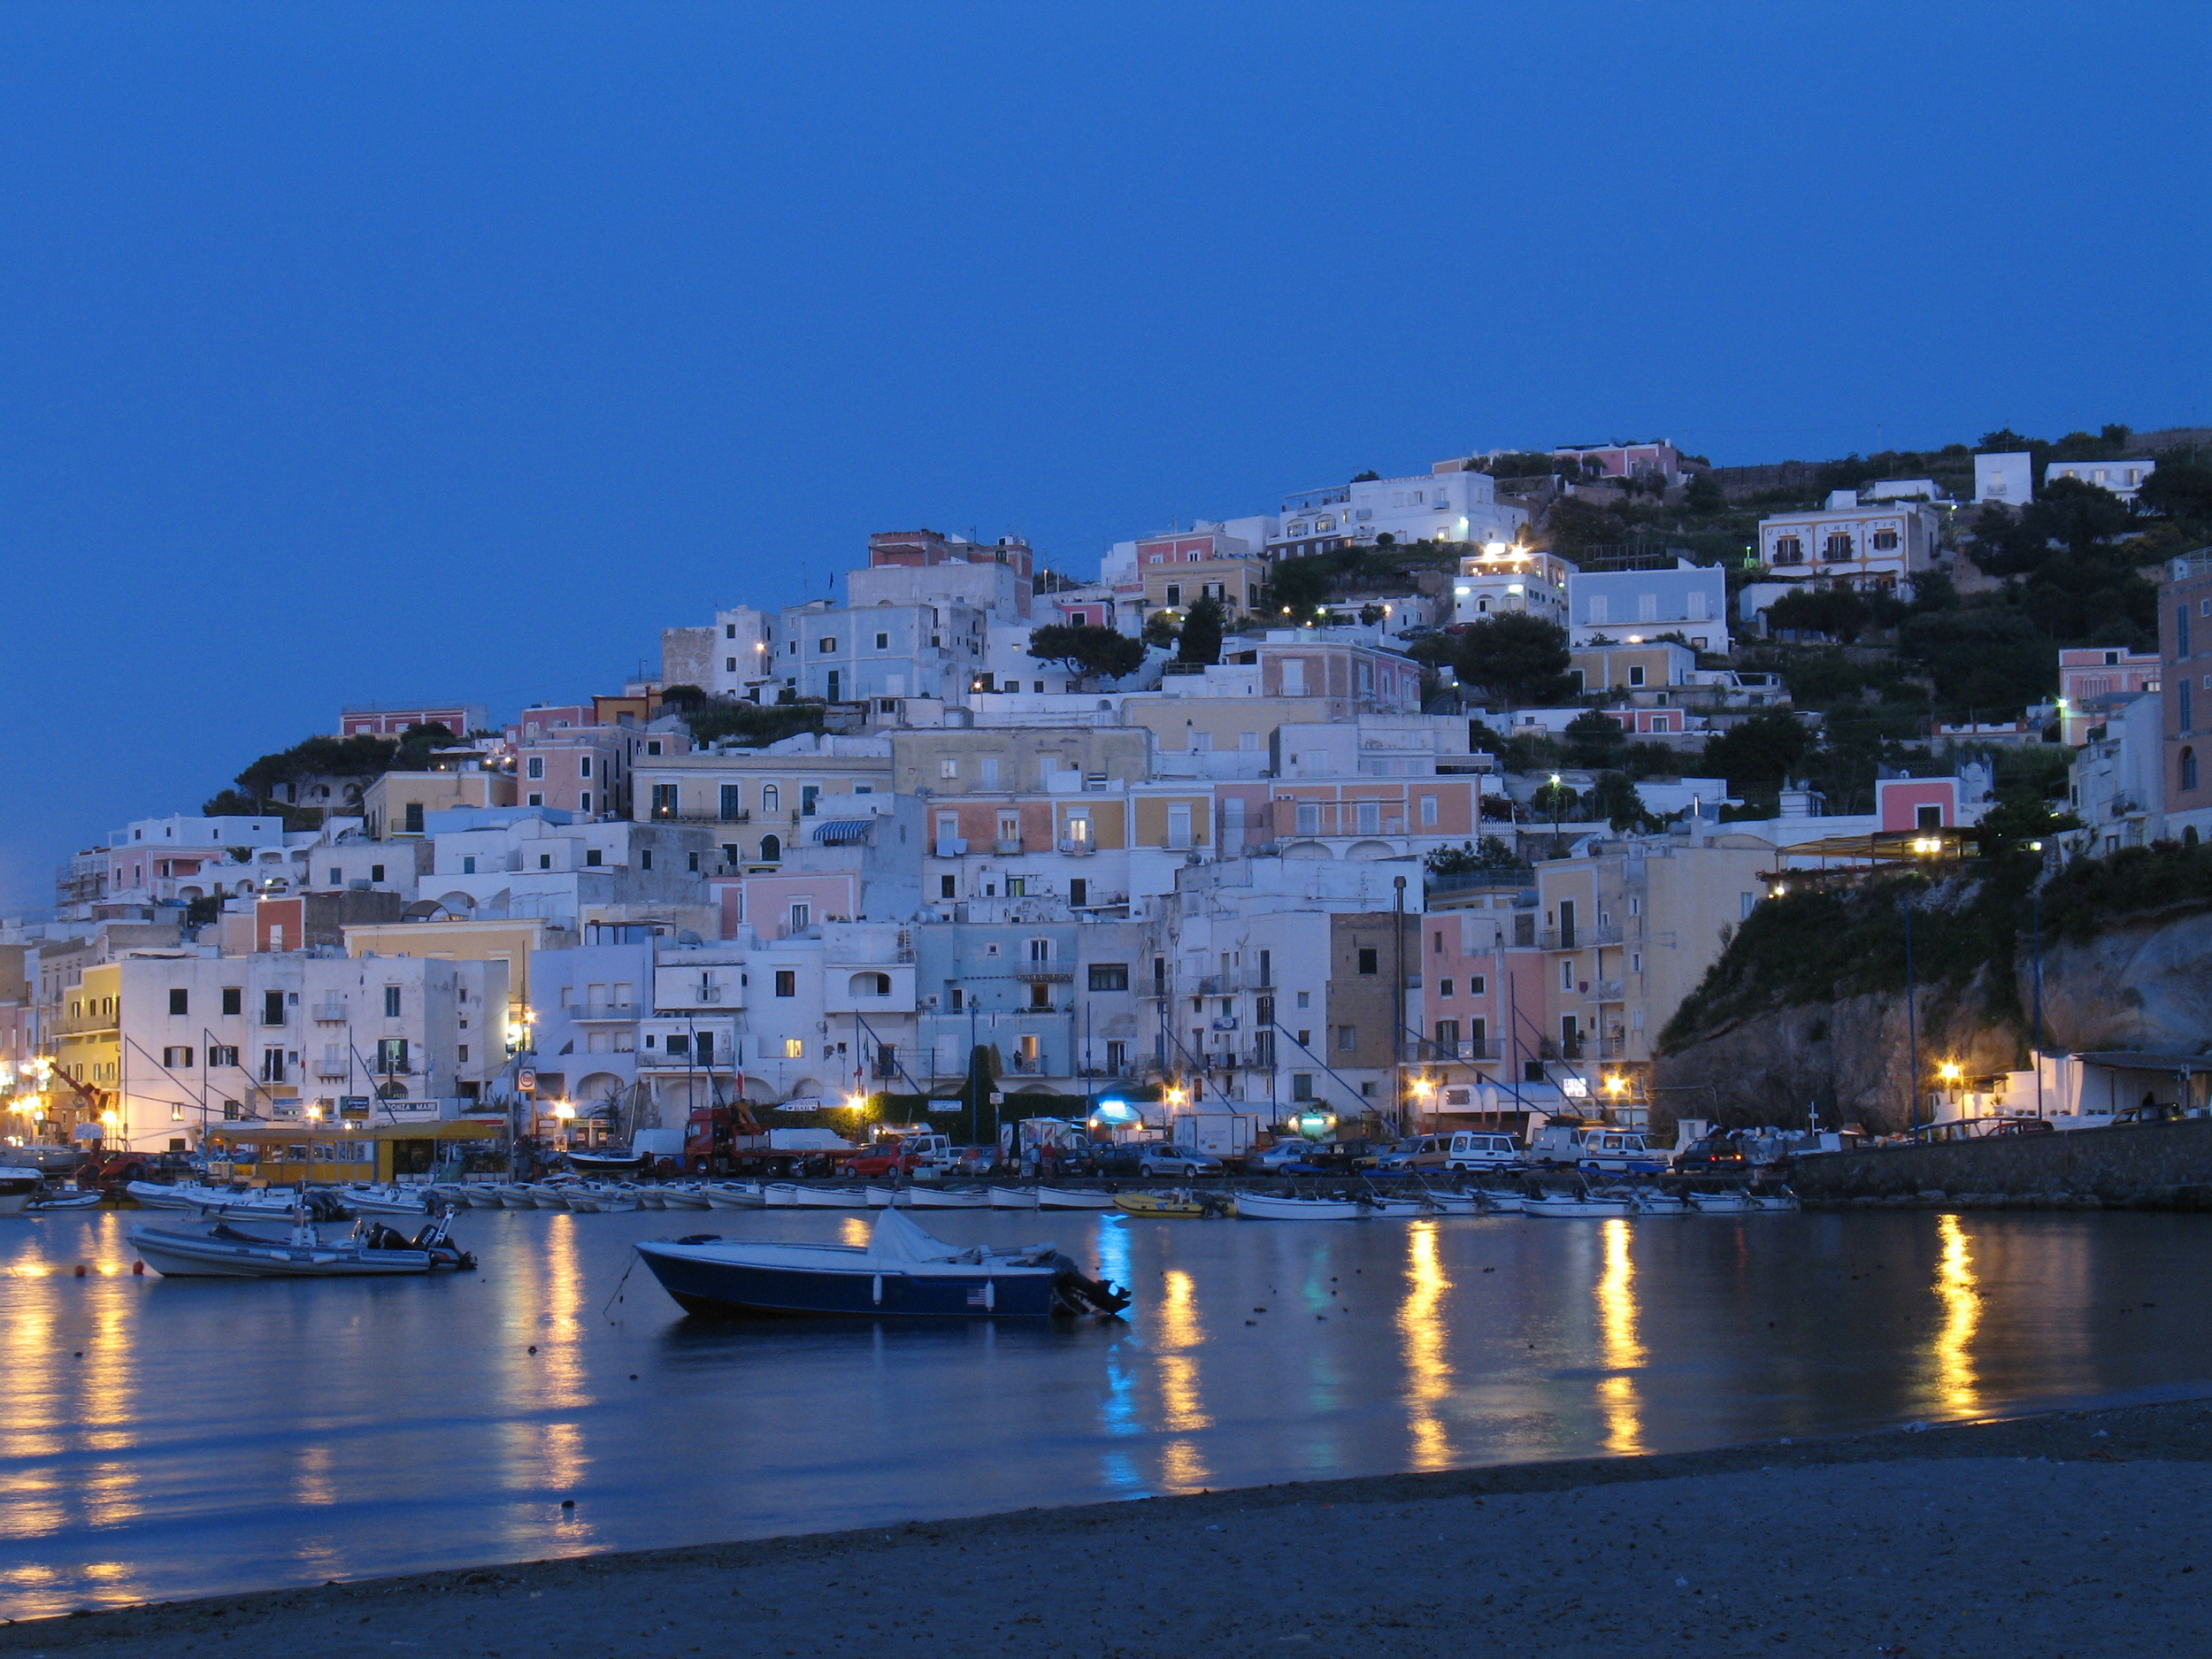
{"points": [[377, 351]]}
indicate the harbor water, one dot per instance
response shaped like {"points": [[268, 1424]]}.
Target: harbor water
{"points": [[172, 1438]]}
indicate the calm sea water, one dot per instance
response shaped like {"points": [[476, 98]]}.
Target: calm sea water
{"points": [[164, 1438]]}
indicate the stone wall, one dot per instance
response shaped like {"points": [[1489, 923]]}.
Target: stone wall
{"points": [[2168, 1165]]}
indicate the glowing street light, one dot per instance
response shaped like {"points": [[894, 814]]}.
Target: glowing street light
{"points": [[1950, 1071]]}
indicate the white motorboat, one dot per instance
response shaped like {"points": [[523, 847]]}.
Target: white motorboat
{"points": [[1735, 1202], [721, 1196], [19, 1184], [1497, 1200], [1067, 1198], [153, 1195], [1454, 1203], [385, 1200], [1013, 1197], [946, 1198], [647, 1197], [223, 1251], [64, 1201], [1652, 1202], [1272, 1207], [1571, 1204], [1778, 1202], [553, 1194]]}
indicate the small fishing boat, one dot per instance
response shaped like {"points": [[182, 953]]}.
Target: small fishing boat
{"points": [[225, 1251], [515, 1195], [606, 1160], [1452, 1204], [1775, 1201], [945, 1198], [1573, 1204], [881, 1197], [720, 1195], [1182, 1205], [1068, 1198], [1399, 1207], [64, 1201], [1735, 1202], [696, 1197], [1651, 1201], [1272, 1207], [901, 1272], [1013, 1198], [553, 1194], [154, 1195], [791, 1196], [1497, 1200]]}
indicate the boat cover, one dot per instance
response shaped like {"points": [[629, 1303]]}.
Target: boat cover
{"points": [[898, 1239]]}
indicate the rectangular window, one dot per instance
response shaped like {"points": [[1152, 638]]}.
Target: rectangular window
{"points": [[1448, 1035], [180, 1001], [593, 855], [2188, 706], [234, 999], [1475, 985], [1116, 1057], [1308, 818], [1079, 892], [1346, 1038], [391, 1002], [1566, 973], [273, 1065], [1302, 1086], [801, 917], [677, 1042], [948, 886], [987, 771], [2181, 631], [391, 1055], [1428, 811], [795, 1047], [273, 1008], [1368, 959], [376, 873], [787, 982], [222, 1054], [1370, 816], [1110, 976], [534, 767], [1444, 989], [411, 818], [174, 1058]]}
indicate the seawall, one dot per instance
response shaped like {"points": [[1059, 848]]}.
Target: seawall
{"points": [[2165, 1166]]}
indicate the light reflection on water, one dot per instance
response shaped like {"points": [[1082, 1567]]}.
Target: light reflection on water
{"points": [[222, 1435]]}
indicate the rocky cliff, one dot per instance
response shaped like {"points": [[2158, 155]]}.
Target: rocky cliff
{"points": [[2140, 981]]}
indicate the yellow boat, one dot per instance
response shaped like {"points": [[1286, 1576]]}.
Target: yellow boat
{"points": [[1159, 1204]]}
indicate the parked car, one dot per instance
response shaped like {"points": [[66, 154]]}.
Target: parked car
{"points": [[1117, 1158], [1414, 1152], [1340, 1157], [907, 1154], [1715, 1154], [1275, 1159], [2149, 1112], [1162, 1158], [1480, 1149]]}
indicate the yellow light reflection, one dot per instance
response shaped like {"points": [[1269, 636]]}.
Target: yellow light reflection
{"points": [[1961, 1313], [853, 1233], [1421, 1330], [1616, 1330], [1182, 1410]]}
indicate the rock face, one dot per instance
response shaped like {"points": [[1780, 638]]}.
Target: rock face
{"points": [[2145, 985]]}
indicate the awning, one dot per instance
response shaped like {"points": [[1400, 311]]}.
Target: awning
{"points": [[840, 830], [2123, 1060]]}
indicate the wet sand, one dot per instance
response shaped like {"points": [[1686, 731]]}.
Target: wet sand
{"points": [[2073, 1533]]}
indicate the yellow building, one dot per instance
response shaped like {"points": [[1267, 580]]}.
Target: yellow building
{"points": [[398, 802]]}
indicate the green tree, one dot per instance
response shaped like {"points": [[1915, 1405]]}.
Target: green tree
{"points": [[751, 724], [1613, 797], [2178, 489], [1595, 741], [1554, 800], [1837, 612], [2077, 515], [1301, 584], [1702, 497], [1761, 751], [1088, 651], [1201, 639], [1160, 628], [682, 698], [1467, 858], [1516, 659], [418, 742]]}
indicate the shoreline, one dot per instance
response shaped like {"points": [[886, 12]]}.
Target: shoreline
{"points": [[592, 1600]]}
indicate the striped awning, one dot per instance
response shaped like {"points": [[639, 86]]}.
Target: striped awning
{"points": [[838, 830]]}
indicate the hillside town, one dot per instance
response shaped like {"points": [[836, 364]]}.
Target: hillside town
{"points": [[1414, 803]]}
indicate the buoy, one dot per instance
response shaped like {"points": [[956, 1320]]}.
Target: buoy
{"points": [[534, 1348], [138, 1269], [80, 1270], [568, 1504]]}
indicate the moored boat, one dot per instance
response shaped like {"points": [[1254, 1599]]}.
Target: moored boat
{"points": [[902, 1273], [1069, 1198], [719, 1195], [1013, 1198], [1275, 1207], [19, 1184], [1399, 1207], [945, 1198], [225, 1251], [1576, 1204], [1778, 1200], [1181, 1205], [695, 1198], [64, 1201], [1734, 1201]]}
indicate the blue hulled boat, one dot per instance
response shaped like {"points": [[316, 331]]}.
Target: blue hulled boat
{"points": [[901, 1272]]}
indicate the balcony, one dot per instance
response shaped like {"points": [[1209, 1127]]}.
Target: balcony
{"points": [[332, 1012], [950, 846], [1578, 938], [672, 815], [1466, 1051], [1606, 990], [1078, 845], [1037, 975], [1005, 846], [1228, 984], [603, 1011]]}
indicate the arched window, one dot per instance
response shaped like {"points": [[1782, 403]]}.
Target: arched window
{"points": [[2188, 769], [769, 797], [870, 985], [770, 849]]}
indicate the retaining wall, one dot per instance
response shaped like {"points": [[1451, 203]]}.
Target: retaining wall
{"points": [[2161, 1165]]}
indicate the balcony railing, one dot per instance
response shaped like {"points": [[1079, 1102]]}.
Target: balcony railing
{"points": [[330, 1013], [1464, 1051], [950, 846], [604, 1011], [1079, 845], [677, 815], [1006, 846], [1578, 938], [1606, 990]]}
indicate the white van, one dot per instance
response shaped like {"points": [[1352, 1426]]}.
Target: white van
{"points": [[1476, 1150], [1585, 1144]]}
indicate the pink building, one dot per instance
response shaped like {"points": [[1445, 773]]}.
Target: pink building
{"points": [[1483, 1007], [1909, 803], [782, 904], [2090, 679], [1649, 722], [1657, 459], [460, 718]]}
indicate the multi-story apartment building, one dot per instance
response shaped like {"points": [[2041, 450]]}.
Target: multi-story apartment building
{"points": [[376, 721], [1632, 607], [399, 803], [2185, 675], [881, 654], [733, 657], [1885, 544], [1657, 460], [755, 800], [1452, 504], [1500, 577], [2123, 478]]}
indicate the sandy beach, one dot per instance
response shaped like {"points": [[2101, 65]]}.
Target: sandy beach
{"points": [[2068, 1534]]}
